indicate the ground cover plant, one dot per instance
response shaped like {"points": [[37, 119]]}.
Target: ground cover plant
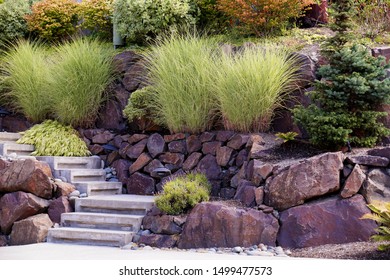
{"points": [[182, 193], [381, 214]]}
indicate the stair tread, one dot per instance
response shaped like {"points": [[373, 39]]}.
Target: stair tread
{"points": [[90, 230], [122, 197], [102, 215]]}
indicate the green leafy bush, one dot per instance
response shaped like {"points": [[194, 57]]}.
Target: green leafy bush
{"points": [[381, 214], [210, 17], [54, 20], [251, 85], [141, 20], [182, 193], [97, 17], [51, 138], [181, 71], [12, 22], [23, 75], [78, 80]]}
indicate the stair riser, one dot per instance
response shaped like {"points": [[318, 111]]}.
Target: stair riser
{"points": [[9, 137], [101, 226], [101, 222], [72, 176], [122, 211], [59, 163], [88, 239], [108, 188]]}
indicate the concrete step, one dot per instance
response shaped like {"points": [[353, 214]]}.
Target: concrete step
{"points": [[92, 188], [102, 221], [59, 163], [115, 204], [9, 137], [18, 149], [86, 236], [80, 175]]}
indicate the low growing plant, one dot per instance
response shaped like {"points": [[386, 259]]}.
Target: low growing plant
{"points": [[287, 136], [381, 214], [52, 138], [251, 85], [182, 193], [142, 20], [23, 75], [182, 71], [78, 80]]}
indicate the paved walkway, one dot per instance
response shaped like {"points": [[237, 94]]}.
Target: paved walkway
{"points": [[51, 251]]}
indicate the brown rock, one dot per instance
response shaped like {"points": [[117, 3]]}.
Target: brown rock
{"points": [[310, 178], [258, 171], [122, 169], [155, 145], [329, 221], [57, 207], [369, 160], [135, 138], [152, 166], [17, 206], [159, 240], [111, 116], [131, 79], [377, 186], [227, 193], [3, 241], [141, 161], [380, 152], [210, 147], [193, 144], [178, 146], [124, 60], [259, 195], [224, 135], [164, 224], [123, 149], [64, 189], [209, 166], [103, 138], [173, 137], [223, 155], [96, 149], [141, 184], [238, 141], [246, 193], [172, 158], [239, 176], [353, 183], [135, 151], [27, 175], [207, 136], [241, 157], [257, 150], [192, 161], [113, 156], [118, 140], [31, 230], [214, 224]]}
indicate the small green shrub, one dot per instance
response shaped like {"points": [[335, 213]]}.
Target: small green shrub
{"points": [[24, 70], [142, 20], [381, 214], [12, 22], [287, 136], [54, 20], [51, 138], [181, 71], [97, 17], [78, 80], [251, 85], [181, 194]]}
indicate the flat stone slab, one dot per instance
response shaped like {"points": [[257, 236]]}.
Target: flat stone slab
{"points": [[18, 149], [9, 137]]}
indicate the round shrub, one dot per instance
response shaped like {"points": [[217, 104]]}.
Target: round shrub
{"points": [[51, 138], [97, 17], [53, 19], [182, 193], [142, 20], [12, 22]]}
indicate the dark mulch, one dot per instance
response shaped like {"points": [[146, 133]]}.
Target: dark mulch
{"points": [[350, 251]]}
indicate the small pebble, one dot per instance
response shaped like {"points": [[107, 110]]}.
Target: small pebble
{"points": [[75, 193], [58, 180], [287, 252], [263, 247], [212, 250], [145, 232], [147, 248], [83, 195], [265, 254], [237, 249]]}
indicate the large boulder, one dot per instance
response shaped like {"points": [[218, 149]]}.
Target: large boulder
{"points": [[209, 166], [57, 207], [27, 175], [214, 224], [330, 221], [17, 206], [377, 185], [31, 230], [141, 184], [302, 181]]}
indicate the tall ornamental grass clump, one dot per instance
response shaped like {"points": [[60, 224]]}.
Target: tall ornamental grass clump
{"points": [[181, 70], [78, 81], [23, 74], [251, 85]]}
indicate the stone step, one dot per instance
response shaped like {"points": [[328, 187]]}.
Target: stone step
{"points": [[18, 149], [60, 163], [9, 137], [87, 236], [80, 175], [102, 221], [92, 188], [115, 204]]}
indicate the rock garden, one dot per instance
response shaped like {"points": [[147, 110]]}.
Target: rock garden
{"points": [[250, 145]]}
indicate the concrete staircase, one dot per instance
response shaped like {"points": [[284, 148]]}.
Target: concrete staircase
{"points": [[105, 217]]}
